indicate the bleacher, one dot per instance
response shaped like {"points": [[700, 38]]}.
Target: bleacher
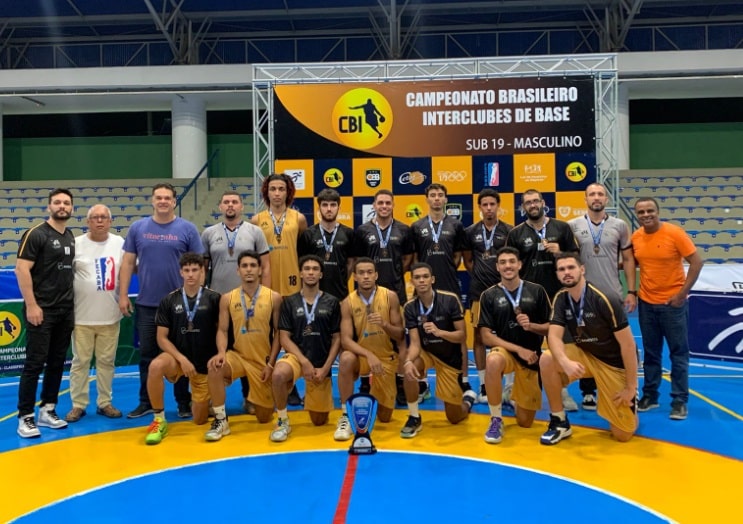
{"points": [[704, 202], [129, 200]]}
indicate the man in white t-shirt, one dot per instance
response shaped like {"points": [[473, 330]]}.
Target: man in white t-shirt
{"points": [[96, 266]]}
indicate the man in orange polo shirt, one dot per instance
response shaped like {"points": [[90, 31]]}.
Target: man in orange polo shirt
{"points": [[660, 249]]}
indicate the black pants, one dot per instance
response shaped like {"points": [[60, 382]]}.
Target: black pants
{"points": [[46, 349], [148, 350]]}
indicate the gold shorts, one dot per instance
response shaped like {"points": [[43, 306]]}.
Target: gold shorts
{"points": [[317, 397]]}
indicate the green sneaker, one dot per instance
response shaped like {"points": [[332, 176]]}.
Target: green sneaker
{"points": [[157, 431]]}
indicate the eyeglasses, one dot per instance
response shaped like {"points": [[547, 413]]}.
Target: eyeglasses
{"points": [[102, 218]]}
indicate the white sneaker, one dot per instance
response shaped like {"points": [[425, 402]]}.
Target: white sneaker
{"points": [[568, 404], [220, 428], [343, 429], [48, 418], [27, 427], [282, 430]]}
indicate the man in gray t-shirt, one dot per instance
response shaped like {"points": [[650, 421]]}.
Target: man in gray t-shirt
{"points": [[604, 242], [224, 241]]}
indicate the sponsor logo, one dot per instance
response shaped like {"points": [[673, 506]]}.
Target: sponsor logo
{"points": [[492, 174], [373, 177], [414, 178], [533, 169], [564, 211], [298, 177], [576, 171], [333, 177], [362, 118], [413, 211], [451, 176], [10, 328], [453, 210]]}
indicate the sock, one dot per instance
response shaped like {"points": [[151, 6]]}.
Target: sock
{"points": [[413, 409], [344, 409], [560, 414], [220, 413], [282, 413], [159, 414], [496, 410], [481, 376]]}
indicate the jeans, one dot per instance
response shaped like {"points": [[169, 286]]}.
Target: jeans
{"points": [[148, 350], [659, 321], [46, 349]]}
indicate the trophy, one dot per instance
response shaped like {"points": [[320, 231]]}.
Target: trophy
{"points": [[362, 412]]}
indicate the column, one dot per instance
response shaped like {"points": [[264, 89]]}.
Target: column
{"points": [[623, 158], [189, 136]]}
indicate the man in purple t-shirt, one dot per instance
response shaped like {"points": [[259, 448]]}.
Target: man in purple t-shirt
{"points": [[154, 245]]}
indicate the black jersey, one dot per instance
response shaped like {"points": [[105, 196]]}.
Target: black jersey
{"points": [[538, 265], [603, 315], [497, 314], [335, 263], [52, 253], [387, 260], [315, 341], [440, 254], [484, 272], [446, 310], [198, 344]]}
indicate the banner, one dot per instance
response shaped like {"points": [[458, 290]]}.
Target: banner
{"points": [[716, 325]]}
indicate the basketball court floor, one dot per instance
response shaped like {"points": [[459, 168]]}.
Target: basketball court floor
{"points": [[100, 470]]}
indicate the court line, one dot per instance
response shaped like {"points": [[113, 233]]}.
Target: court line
{"points": [[349, 478]]}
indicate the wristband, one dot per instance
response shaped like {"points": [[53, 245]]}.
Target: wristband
{"points": [[632, 293]]}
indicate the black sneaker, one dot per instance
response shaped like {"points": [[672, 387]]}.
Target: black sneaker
{"points": [[646, 404], [140, 411], [294, 398], [557, 431], [589, 402], [678, 411], [412, 427], [184, 410]]}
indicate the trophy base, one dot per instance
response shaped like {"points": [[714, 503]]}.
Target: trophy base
{"points": [[362, 445]]}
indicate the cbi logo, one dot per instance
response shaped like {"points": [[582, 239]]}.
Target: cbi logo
{"points": [[333, 177], [373, 177], [414, 178], [362, 118], [576, 171], [413, 211]]}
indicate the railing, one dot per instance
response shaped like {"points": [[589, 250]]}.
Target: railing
{"points": [[192, 184]]}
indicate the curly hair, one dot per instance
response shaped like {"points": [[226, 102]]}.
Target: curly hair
{"points": [[290, 189]]}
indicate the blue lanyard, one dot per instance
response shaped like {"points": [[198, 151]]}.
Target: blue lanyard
{"points": [[231, 238], [383, 240], [579, 315], [488, 241], [596, 237], [248, 313], [191, 313], [541, 233], [278, 227], [328, 246], [310, 313], [368, 303], [435, 234], [514, 301], [425, 313]]}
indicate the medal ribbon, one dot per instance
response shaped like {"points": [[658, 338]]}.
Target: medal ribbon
{"points": [[383, 240], [579, 315], [231, 238], [488, 241], [310, 313], [425, 313], [249, 312], [369, 302], [435, 234], [191, 313], [278, 227], [514, 301], [328, 246], [596, 237]]}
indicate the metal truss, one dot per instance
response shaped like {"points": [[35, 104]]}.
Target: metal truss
{"points": [[602, 67]]}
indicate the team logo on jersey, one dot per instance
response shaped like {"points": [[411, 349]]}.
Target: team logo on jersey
{"points": [[333, 177], [362, 118], [373, 177], [10, 328], [105, 274], [576, 171]]}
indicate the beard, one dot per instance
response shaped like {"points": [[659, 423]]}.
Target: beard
{"points": [[62, 216], [536, 214], [571, 284]]}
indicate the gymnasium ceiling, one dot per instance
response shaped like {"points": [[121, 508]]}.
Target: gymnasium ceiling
{"points": [[68, 34]]}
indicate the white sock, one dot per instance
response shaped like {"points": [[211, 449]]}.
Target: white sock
{"points": [[413, 409], [481, 376], [496, 410], [282, 413], [220, 413], [560, 414]]}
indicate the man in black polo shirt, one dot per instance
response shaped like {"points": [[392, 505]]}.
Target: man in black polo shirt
{"points": [[45, 279]]}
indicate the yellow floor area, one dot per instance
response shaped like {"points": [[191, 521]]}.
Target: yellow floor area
{"points": [[684, 484]]}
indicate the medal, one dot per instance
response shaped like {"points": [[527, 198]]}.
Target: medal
{"points": [[436, 246], [191, 313], [517, 310], [596, 235], [515, 301], [383, 239], [307, 330], [580, 323], [231, 237], [328, 245], [435, 235], [278, 238], [327, 256], [423, 313], [596, 249], [309, 314], [385, 253], [231, 250], [248, 312], [278, 227]]}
